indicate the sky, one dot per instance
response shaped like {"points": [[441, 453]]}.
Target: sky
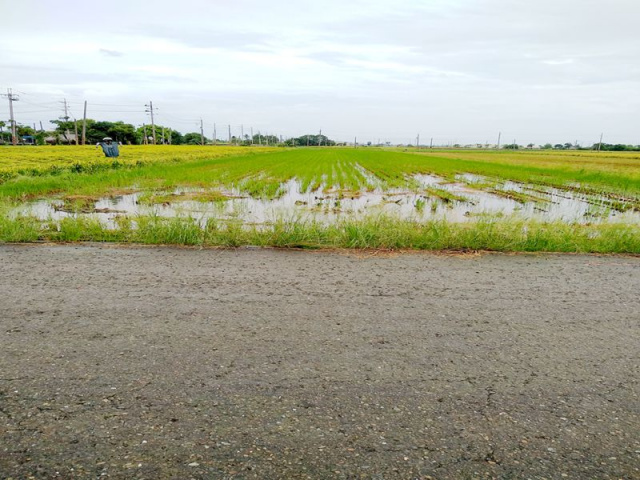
{"points": [[457, 71]]}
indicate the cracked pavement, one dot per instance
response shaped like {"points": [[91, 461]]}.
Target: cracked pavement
{"points": [[137, 362]]}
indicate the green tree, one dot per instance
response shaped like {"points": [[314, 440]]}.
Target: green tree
{"points": [[122, 132], [23, 130], [194, 138], [176, 138], [618, 147], [313, 140], [259, 139], [4, 136]]}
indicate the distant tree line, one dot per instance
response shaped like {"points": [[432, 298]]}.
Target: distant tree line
{"points": [[616, 148], [571, 146], [65, 133], [126, 133], [596, 146]]}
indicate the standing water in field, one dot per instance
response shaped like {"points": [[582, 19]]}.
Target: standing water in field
{"points": [[468, 198]]}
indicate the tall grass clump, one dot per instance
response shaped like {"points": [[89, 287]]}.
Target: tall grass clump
{"points": [[20, 229], [511, 235]]}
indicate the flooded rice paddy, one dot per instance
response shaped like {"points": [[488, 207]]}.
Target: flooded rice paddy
{"points": [[468, 198]]}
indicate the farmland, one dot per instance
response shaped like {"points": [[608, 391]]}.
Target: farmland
{"points": [[324, 197]]}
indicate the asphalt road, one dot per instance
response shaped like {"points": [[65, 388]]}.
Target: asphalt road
{"points": [[131, 362]]}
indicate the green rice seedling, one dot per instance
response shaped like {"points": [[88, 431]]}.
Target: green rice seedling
{"points": [[520, 197], [445, 196], [149, 198], [580, 170], [77, 204]]}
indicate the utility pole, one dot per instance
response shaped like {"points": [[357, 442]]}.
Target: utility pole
{"points": [[12, 98], [355, 142], [146, 139], [153, 125], [75, 124], [499, 134], [229, 134], [418, 142], [251, 135], [41, 129], [431, 143], [84, 124], [242, 132], [215, 134], [201, 133], [320, 138], [66, 119]]}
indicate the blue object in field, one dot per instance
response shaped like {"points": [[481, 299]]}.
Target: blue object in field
{"points": [[110, 149]]}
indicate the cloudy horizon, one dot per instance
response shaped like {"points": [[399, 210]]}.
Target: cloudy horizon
{"points": [[457, 71]]}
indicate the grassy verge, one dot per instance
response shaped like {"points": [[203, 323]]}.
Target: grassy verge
{"points": [[511, 235]]}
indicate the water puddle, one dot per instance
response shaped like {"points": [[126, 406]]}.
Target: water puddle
{"points": [[468, 198]]}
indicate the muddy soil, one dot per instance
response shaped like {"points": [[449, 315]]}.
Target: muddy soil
{"points": [[129, 362]]}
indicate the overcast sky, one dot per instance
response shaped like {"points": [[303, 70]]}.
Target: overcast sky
{"points": [[457, 70]]}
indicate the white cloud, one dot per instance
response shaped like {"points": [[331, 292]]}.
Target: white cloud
{"points": [[566, 61], [459, 68], [110, 53]]}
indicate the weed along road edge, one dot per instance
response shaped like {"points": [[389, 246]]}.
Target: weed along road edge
{"points": [[132, 362]]}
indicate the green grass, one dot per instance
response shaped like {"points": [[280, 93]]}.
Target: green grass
{"points": [[371, 233]]}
